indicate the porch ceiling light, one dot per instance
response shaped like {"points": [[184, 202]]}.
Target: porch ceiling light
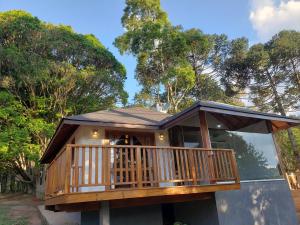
{"points": [[95, 132], [161, 137]]}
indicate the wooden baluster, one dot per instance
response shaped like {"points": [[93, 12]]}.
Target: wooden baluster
{"points": [[139, 167], [126, 165], [107, 158], [178, 165], [68, 170], [167, 162], [83, 165], [151, 165], [144, 162], [90, 164], [215, 159], [115, 165], [199, 165], [205, 165], [104, 165], [173, 164], [132, 167], [155, 167], [229, 164], [76, 158], [235, 167], [182, 164], [225, 164], [121, 165], [96, 164], [164, 152], [191, 156], [187, 169], [159, 167]]}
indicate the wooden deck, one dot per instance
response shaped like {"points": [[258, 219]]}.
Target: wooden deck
{"points": [[89, 173]]}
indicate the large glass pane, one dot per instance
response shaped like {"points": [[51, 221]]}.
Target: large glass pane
{"points": [[254, 146], [184, 136]]}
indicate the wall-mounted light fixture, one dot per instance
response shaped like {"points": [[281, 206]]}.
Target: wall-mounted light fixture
{"points": [[219, 126], [95, 132], [161, 136]]}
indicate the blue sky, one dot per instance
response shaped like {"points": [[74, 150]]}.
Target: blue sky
{"points": [[235, 18]]}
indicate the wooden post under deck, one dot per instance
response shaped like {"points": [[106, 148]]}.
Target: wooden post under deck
{"points": [[206, 142]]}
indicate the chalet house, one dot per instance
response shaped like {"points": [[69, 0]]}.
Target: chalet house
{"points": [[211, 164]]}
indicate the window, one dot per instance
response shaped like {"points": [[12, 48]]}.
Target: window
{"points": [[254, 147]]}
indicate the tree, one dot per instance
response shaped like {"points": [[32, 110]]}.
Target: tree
{"points": [[265, 70], [17, 149], [286, 151], [51, 72], [174, 66]]}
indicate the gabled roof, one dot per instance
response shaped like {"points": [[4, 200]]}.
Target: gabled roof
{"points": [[131, 116], [147, 119]]}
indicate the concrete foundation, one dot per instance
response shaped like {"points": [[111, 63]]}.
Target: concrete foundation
{"points": [[197, 212], [145, 215], [257, 203]]}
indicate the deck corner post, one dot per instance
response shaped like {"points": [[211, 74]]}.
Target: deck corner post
{"points": [[104, 217], [204, 133]]}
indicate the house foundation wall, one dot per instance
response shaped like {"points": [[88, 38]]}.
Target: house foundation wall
{"points": [[257, 202], [143, 215], [203, 212]]}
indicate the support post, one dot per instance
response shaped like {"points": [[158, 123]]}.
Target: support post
{"points": [[206, 144], [204, 130], [104, 213]]}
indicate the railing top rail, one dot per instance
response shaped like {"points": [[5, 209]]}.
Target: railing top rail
{"points": [[146, 146]]}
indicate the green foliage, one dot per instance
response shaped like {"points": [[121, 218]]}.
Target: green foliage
{"points": [[171, 62], [271, 70], [287, 153], [46, 72]]}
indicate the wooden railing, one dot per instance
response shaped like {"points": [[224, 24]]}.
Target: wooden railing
{"points": [[86, 168]]}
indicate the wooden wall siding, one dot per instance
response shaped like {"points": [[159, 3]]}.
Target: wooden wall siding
{"points": [[90, 168]]}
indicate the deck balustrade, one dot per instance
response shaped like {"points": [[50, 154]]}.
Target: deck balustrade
{"points": [[99, 168]]}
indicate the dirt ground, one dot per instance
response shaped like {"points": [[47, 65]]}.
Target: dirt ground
{"points": [[19, 209]]}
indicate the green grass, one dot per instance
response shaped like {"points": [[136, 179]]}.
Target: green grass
{"points": [[5, 220]]}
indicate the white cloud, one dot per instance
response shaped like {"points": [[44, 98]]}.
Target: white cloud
{"points": [[268, 18]]}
